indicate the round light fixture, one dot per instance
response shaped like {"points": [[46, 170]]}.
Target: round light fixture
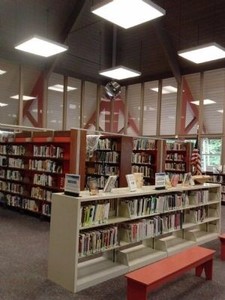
{"points": [[112, 89]]}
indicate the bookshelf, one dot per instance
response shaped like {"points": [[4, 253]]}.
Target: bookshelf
{"points": [[112, 157], [95, 238], [33, 167], [177, 158], [218, 178], [146, 158]]}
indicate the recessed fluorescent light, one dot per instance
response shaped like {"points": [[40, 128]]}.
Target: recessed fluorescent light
{"points": [[220, 111], [205, 102], [41, 46], [2, 72], [204, 53], [72, 106], [3, 104], [127, 13], [119, 73], [25, 98], [60, 88], [167, 89]]}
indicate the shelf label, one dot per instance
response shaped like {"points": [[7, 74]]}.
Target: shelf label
{"points": [[72, 184]]}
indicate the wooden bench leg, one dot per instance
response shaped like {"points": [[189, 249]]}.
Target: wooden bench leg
{"points": [[136, 291], [222, 246], [208, 267]]}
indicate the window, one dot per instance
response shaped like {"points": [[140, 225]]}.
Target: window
{"points": [[211, 153]]}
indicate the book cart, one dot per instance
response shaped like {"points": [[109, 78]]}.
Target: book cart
{"points": [[95, 238]]}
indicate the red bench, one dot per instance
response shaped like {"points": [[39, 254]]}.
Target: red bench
{"points": [[222, 246], [145, 279]]}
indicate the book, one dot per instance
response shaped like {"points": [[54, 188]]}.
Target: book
{"points": [[110, 183], [131, 182]]}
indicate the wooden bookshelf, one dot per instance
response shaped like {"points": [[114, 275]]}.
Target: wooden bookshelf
{"points": [[33, 167], [177, 158], [146, 158], [95, 238], [112, 157]]}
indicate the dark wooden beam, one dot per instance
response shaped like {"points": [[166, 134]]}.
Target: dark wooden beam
{"points": [[169, 50]]}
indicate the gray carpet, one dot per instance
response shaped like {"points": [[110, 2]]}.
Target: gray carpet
{"points": [[23, 268]]}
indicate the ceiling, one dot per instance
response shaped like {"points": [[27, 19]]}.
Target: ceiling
{"points": [[96, 44]]}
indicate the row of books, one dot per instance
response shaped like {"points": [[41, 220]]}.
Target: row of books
{"points": [[146, 170], [103, 169], [17, 201], [12, 187], [144, 144], [154, 204], [94, 214], [46, 209], [175, 156], [91, 242], [2, 173], [41, 194], [101, 180], [12, 149], [48, 151], [107, 144], [43, 179], [106, 157], [147, 228], [45, 165], [142, 158], [178, 166], [3, 160], [196, 215], [180, 176], [176, 146], [14, 175], [198, 197], [16, 163]]}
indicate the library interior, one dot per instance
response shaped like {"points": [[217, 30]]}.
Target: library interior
{"points": [[112, 149]]}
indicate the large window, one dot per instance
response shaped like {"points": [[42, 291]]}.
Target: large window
{"points": [[168, 107], [55, 102], [213, 101], [9, 85], [73, 103], [189, 120], [211, 153], [150, 108], [134, 109]]}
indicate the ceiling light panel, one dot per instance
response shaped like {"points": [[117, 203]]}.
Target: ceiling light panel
{"points": [[60, 88], [3, 104], [167, 89], [2, 72], [25, 98], [41, 46], [127, 13], [204, 53], [119, 73], [205, 102]]}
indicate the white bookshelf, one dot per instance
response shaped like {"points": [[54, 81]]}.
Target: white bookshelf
{"points": [[148, 236]]}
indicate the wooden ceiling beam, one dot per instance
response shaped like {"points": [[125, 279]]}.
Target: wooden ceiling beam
{"points": [[168, 49]]}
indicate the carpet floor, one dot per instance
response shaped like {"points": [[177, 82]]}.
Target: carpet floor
{"points": [[23, 268]]}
